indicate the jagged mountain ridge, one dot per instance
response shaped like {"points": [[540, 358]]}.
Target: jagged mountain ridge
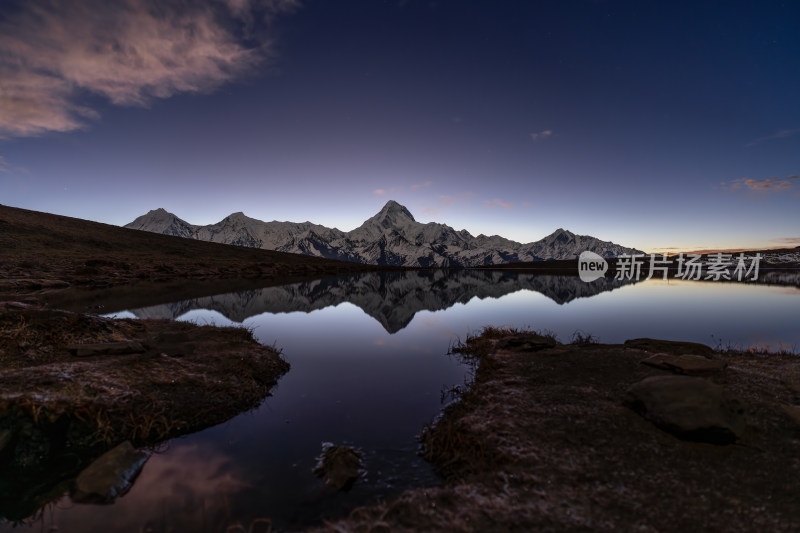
{"points": [[391, 237]]}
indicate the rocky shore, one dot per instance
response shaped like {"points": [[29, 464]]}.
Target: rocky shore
{"points": [[645, 436], [75, 386]]}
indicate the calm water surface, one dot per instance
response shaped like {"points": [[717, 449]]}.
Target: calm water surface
{"points": [[369, 365]]}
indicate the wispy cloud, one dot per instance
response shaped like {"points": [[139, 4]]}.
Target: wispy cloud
{"points": [[384, 192], [52, 54], [768, 184], [498, 203], [7, 168], [787, 241], [781, 134], [542, 135], [434, 206], [416, 186]]}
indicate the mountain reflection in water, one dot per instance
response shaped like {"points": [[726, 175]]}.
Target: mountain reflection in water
{"points": [[374, 387], [391, 298]]}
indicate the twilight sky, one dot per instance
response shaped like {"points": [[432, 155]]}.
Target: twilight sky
{"points": [[658, 125]]}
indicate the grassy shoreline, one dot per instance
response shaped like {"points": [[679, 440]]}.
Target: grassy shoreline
{"points": [[546, 439], [75, 386]]}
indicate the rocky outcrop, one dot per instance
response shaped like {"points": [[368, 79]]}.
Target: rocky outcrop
{"points": [[689, 365], [690, 408], [339, 466], [110, 476], [671, 347], [793, 413]]}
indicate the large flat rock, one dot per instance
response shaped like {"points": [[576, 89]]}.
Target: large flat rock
{"points": [[689, 365], [670, 347], [110, 476], [793, 412], [690, 408]]}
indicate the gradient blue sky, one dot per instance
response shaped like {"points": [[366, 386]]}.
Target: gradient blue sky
{"points": [[657, 125]]}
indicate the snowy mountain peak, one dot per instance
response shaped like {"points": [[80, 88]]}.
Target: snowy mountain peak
{"points": [[394, 211], [162, 221], [561, 235], [157, 214], [392, 217]]}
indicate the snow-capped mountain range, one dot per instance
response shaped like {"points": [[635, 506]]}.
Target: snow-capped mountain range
{"points": [[392, 298], [391, 237]]}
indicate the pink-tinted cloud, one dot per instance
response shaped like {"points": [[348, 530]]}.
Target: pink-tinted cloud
{"points": [[542, 135], [499, 203], [384, 192], [422, 185], [768, 184], [787, 241], [435, 206], [129, 51]]}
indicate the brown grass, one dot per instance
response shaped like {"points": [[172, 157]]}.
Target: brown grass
{"points": [[542, 441], [44, 251], [189, 376]]}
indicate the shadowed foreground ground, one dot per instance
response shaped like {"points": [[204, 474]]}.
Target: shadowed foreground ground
{"points": [[74, 386], [546, 440]]}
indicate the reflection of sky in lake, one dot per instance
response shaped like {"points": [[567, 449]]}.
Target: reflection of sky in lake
{"points": [[353, 382], [744, 314]]}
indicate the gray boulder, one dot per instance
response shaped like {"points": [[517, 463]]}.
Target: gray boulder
{"points": [[689, 365], [110, 476], [690, 408], [339, 466]]}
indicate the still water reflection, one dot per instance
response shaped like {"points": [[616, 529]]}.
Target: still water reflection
{"points": [[368, 368]]}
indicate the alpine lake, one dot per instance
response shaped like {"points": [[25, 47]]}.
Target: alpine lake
{"points": [[370, 368]]}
